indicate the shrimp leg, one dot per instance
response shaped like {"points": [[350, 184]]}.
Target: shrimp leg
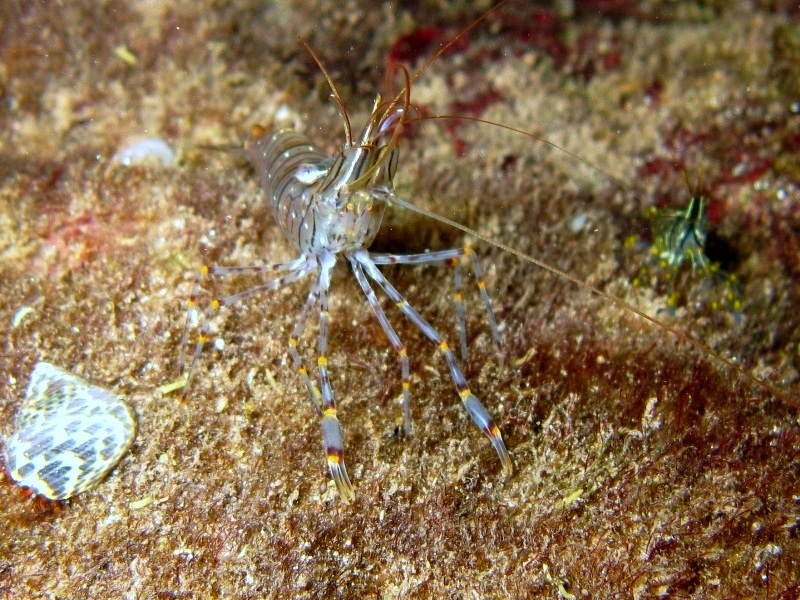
{"points": [[358, 271], [331, 428], [452, 255], [474, 407], [296, 270]]}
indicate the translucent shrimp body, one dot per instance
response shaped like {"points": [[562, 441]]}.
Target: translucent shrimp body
{"points": [[333, 206]]}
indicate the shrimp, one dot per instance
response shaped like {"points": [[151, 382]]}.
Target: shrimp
{"points": [[680, 235], [331, 207]]}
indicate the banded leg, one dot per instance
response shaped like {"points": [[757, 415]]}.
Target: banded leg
{"points": [[332, 436], [206, 272], [452, 255], [461, 316], [299, 270], [480, 416], [313, 391], [394, 340]]}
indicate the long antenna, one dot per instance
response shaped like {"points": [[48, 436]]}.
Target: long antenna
{"points": [[613, 178], [391, 198], [452, 41], [348, 133], [449, 44]]}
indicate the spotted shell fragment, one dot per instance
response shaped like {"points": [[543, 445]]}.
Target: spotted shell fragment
{"points": [[67, 435]]}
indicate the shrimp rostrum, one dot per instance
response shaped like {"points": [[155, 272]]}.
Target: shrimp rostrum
{"points": [[331, 207]]}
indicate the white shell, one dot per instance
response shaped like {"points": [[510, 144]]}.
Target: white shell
{"points": [[68, 434], [152, 149]]}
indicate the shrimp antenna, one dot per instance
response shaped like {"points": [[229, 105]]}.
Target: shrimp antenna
{"points": [[455, 39], [694, 190], [689, 187], [446, 47], [697, 344], [348, 133], [613, 178]]}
